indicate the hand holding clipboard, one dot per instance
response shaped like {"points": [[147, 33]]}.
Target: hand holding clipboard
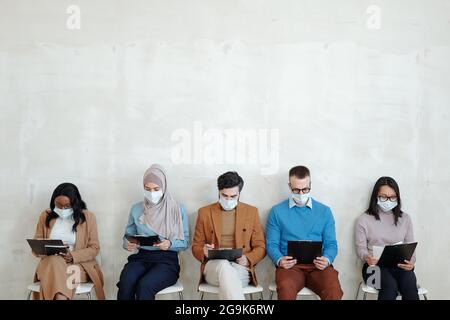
{"points": [[307, 252], [396, 255]]}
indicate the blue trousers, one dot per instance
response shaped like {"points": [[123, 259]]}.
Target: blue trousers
{"points": [[146, 273], [394, 280]]}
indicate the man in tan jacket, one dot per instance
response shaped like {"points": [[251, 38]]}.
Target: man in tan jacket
{"points": [[229, 223]]}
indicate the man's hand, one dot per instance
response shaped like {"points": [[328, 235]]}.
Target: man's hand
{"points": [[206, 247], [243, 261], [287, 262], [321, 263]]}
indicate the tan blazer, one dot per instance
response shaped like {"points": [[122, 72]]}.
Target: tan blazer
{"points": [[86, 248], [249, 234]]}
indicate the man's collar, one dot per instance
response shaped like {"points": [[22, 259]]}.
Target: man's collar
{"points": [[292, 203]]}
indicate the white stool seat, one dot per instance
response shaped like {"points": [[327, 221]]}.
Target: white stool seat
{"points": [[250, 289], [82, 288], [176, 288], [207, 288], [304, 292], [422, 291], [371, 290]]}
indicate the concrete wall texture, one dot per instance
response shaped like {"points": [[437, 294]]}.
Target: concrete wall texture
{"points": [[94, 94]]}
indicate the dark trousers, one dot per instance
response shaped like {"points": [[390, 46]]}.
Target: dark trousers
{"points": [[394, 281], [146, 273]]}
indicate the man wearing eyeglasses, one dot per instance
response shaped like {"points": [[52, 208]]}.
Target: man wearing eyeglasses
{"points": [[303, 218]]}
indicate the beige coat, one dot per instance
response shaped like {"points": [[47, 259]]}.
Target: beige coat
{"points": [[86, 248]]}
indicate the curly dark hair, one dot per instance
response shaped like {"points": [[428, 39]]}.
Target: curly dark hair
{"points": [[70, 191]]}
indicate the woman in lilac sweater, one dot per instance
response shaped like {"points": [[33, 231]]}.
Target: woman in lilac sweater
{"points": [[385, 223]]}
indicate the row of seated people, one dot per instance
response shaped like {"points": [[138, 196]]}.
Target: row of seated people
{"points": [[227, 223]]}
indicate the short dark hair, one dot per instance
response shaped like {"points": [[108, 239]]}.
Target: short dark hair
{"points": [[299, 172], [230, 179]]}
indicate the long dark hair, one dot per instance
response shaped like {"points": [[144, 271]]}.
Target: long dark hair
{"points": [[373, 205], [78, 205]]}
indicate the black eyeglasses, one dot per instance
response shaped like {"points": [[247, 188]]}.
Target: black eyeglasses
{"points": [[303, 191], [384, 198]]}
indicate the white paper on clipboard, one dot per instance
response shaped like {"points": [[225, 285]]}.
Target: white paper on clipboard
{"points": [[377, 251]]}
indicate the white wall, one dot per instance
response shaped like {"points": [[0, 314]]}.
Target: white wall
{"points": [[97, 106]]}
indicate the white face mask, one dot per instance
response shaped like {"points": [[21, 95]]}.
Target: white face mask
{"points": [[388, 205], [153, 196], [63, 213], [301, 199], [228, 205]]}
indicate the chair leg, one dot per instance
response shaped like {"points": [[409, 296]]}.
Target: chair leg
{"points": [[180, 295], [357, 291], [271, 295], [251, 296], [425, 297], [365, 296], [261, 295], [201, 295], [29, 294], [89, 296]]}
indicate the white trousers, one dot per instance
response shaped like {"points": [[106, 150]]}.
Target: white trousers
{"points": [[230, 277]]}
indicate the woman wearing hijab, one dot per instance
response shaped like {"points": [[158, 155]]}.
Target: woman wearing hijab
{"points": [[154, 268], [68, 220]]}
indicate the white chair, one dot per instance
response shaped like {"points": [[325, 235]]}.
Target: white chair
{"points": [[250, 289], [371, 290], [305, 292], [176, 288], [82, 288]]}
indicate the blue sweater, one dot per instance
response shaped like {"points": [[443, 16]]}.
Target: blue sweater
{"points": [[134, 227], [300, 223]]}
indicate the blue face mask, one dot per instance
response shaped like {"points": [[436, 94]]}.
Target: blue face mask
{"points": [[153, 196], [228, 205], [301, 199]]}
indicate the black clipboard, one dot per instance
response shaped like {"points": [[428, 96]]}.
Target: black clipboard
{"points": [[228, 254], [396, 253], [305, 251], [39, 245], [146, 241]]}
